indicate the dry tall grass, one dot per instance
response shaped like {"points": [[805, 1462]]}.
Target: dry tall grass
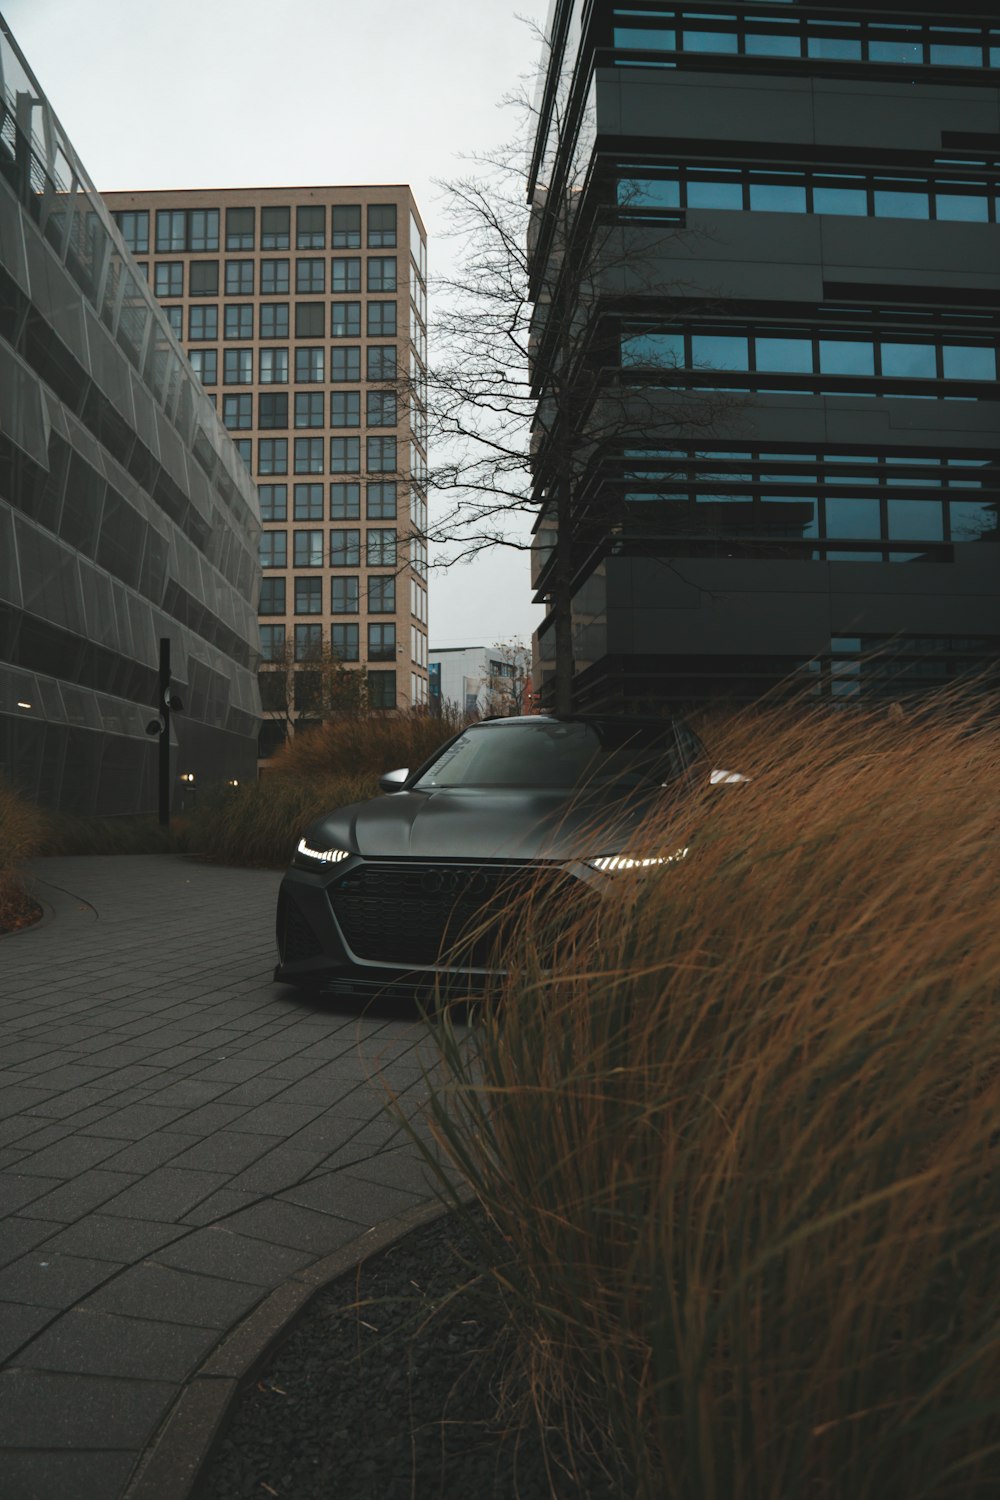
{"points": [[23, 831], [745, 1142]]}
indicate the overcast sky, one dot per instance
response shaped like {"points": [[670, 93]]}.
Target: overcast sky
{"points": [[242, 93]]}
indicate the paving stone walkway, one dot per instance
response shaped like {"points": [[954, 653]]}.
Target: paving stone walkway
{"points": [[178, 1137]]}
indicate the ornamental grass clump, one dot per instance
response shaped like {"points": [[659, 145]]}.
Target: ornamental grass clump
{"points": [[744, 1140], [24, 829]]}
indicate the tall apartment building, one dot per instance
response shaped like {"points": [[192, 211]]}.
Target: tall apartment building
{"points": [[126, 516], [303, 310], [819, 184]]}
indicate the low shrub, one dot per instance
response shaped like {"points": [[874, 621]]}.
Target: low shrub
{"points": [[360, 744], [24, 830], [743, 1144]]}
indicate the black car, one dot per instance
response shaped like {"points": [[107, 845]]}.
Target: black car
{"points": [[414, 885]]}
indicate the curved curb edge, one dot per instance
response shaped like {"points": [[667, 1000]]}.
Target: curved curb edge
{"points": [[173, 1462]]}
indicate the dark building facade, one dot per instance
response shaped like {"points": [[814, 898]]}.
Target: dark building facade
{"points": [[126, 514], [819, 185]]}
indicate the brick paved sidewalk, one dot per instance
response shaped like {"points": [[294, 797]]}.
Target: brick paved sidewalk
{"points": [[178, 1136]]}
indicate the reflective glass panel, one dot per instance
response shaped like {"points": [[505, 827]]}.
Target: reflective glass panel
{"points": [[834, 48], [974, 521], [790, 515], [840, 201], [719, 351], [649, 192], [947, 56], [645, 39], [710, 41], [703, 193], [778, 198], [846, 357], [916, 360], [968, 207], [915, 520], [895, 51], [891, 204], [761, 45], [663, 350], [785, 355], [853, 518], [965, 362]]}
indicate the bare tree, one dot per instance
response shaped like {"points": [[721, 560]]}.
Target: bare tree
{"points": [[528, 391], [312, 686], [507, 681]]}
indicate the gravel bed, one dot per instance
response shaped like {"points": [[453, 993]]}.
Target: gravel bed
{"points": [[396, 1400]]}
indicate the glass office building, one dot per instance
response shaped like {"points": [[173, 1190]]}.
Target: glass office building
{"points": [[126, 516], [801, 204], [304, 312]]}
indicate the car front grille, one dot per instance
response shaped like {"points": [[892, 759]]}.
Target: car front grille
{"points": [[416, 912]]}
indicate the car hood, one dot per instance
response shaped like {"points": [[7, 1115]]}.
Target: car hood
{"points": [[482, 823]]}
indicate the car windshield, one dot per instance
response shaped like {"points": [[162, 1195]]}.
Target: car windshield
{"points": [[562, 755]]}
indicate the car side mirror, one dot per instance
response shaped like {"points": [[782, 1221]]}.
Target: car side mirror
{"points": [[392, 781], [727, 778]]}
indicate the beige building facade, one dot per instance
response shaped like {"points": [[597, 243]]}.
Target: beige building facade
{"points": [[303, 311]]}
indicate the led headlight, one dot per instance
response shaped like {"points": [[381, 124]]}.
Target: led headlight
{"points": [[321, 856], [610, 864]]}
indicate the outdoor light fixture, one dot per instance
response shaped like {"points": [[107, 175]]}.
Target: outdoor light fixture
{"points": [[21, 703], [188, 776], [232, 781]]}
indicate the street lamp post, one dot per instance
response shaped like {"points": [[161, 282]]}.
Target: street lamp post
{"points": [[161, 726]]}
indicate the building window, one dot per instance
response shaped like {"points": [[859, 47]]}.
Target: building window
{"points": [[380, 409], [239, 278], [345, 274], [239, 228], [345, 408], [344, 596], [237, 366], [382, 362], [381, 320], [274, 320], [347, 226], [171, 229], [308, 365], [174, 318], [168, 278], [203, 278], [308, 549], [274, 228], [308, 502], [344, 638], [308, 642], [205, 364], [381, 501], [309, 320], [345, 320], [272, 409], [345, 455], [243, 446], [382, 689], [273, 277], [237, 412], [381, 547], [345, 501], [308, 455], [273, 502], [345, 362], [309, 408], [345, 548], [272, 596], [272, 456], [273, 548], [238, 320], [203, 323], [274, 366], [308, 596], [310, 278], [381, 273], [203, 229], [134, 227], [381, 226], [382, 594], [272, 640], [382, 642], [310, 226], [381, 454]]}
